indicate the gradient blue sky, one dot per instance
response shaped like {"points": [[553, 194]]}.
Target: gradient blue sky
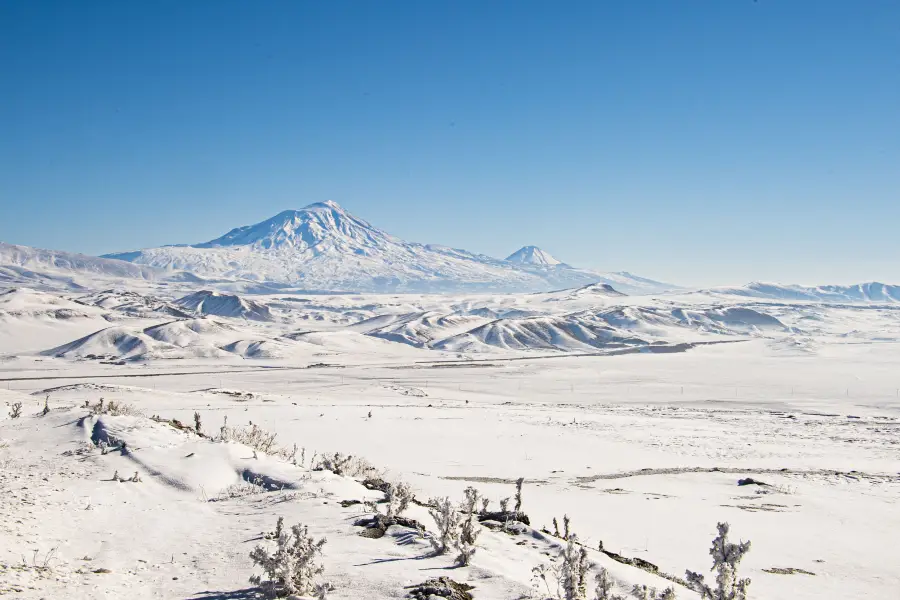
{"points": [[698, 142]]}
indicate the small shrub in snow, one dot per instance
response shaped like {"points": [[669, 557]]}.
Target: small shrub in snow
{"points": [[573, 570], [348, 466], [114, 409], [603, 591], [726, 558], [293, 568], [197, 423], [468, 532], [519, 482], [569, 576], [253, 436], [398, 496], [241, 489], [46, 410], [642, 592], [279, 530], [15, 411], [447, 520]]}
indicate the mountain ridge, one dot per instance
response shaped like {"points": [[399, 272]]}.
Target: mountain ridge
{"points": [[325, 246]]}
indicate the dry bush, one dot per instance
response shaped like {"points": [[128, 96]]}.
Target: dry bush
{"points": [[115, 409], [349, 466]]}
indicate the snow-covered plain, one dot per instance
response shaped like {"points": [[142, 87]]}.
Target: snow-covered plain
{"points": [[633, 415]]}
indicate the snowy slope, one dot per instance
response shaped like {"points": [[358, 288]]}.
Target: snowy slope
{"points": [[224, 305], [325, 247]]}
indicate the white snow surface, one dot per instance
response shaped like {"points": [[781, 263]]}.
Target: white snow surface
{"points": [[634, 415]]}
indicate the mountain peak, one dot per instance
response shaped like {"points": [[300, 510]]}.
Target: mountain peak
{"points": [[532, 255], [318, 227]]}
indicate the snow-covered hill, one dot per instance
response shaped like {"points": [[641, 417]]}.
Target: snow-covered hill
{"points": [[323, 246], [224, 305]]}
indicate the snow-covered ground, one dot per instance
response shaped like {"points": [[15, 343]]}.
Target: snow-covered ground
{"points": [[634, 415]]}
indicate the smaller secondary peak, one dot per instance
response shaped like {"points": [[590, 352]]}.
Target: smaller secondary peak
{"points": [[532, 255]]}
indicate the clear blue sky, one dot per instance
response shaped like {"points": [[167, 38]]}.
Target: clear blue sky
{"points": [[699, 142]]}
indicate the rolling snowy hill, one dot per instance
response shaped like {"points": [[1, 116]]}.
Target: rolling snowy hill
{"points": [[323, 246]]}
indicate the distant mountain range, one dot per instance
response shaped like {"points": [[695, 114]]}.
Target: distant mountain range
{"points": [[323, 246], [862, 292]]}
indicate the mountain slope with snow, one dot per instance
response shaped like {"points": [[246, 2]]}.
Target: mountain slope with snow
{"points": [[862, 292], [323, 246], [53, 269]]}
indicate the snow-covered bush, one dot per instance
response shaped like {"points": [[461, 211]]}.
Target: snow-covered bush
{"points": [[468, 531], [253, 436], [447, 520], [569, 576], [519, 483], [240, 489], [15, 411], [603, 591], [197, 423], [573, 570], [642, 592], [114, 409], [726, 558], [398, 496], [293, 567], [349, 466]]}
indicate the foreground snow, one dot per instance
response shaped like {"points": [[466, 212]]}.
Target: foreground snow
{"points": [[630, 415]]}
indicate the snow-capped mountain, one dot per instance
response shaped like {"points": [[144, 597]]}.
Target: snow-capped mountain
{"points": [[54, 269], [532, 255], [323, 246], [862, 292]]}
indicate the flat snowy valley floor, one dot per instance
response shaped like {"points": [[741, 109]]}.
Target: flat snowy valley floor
{"points": [[643, 451]]}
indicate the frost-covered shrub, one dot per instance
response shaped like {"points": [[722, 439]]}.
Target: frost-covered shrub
{"points": [[519, 483], [642, 592], [573, 570], [253, 436], [293, 567], [197, 423], [241, 489], [115, 409], [726, 558], [603, 591], [468, 532], [569, 576], [398, 496], [447, 520], [15, 411], [349, 466]]}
